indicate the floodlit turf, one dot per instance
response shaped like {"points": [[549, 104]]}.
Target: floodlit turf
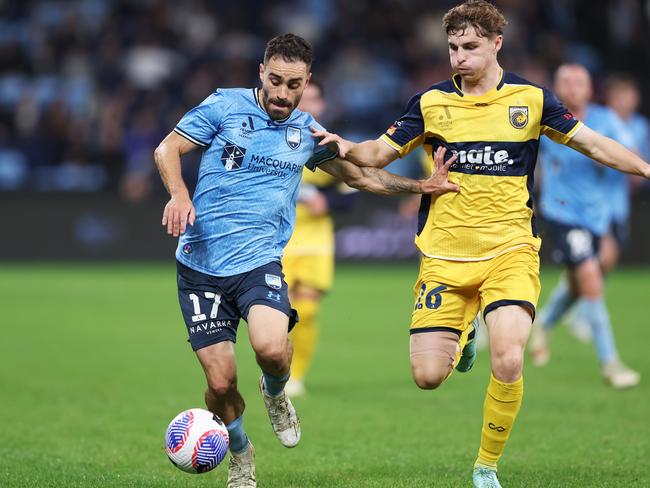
{"points": [[94, 364]]}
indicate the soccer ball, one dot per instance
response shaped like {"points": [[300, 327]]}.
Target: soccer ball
{"points": [[196, 441]]}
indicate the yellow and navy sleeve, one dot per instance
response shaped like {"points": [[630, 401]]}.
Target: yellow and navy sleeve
{"points": [[407, 132], [557, 122]]}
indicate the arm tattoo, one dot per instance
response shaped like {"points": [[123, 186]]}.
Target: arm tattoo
{"points": [[391, 183]]}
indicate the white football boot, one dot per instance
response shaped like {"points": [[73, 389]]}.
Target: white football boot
{"points": [[619, 376], [241, 470], [284, 420]]}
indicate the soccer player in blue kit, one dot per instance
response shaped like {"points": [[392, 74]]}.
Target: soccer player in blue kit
{"points": [[623, 97], [240, 218], [576, 203]]}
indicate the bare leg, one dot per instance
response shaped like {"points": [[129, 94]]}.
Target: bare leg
{"points": [[221, 395], [433, 357]]}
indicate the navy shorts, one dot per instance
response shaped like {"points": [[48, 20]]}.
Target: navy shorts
{"points": [[213, 306], [620, 230], [572, 245]]}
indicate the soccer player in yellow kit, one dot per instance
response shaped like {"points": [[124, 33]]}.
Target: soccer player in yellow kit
{"points": [[308, 260], [479, 244]]}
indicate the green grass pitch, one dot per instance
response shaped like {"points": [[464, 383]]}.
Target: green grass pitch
{"points": [[94, 364]]}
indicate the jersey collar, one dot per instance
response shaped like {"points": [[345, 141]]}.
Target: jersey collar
{"points": [[256, 96], [456, 82]]}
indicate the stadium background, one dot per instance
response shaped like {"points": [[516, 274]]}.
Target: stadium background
{"points": [[93, 362], [88, 88]]}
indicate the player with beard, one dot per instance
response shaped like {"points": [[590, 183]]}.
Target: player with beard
{"points": [[233, 231]]}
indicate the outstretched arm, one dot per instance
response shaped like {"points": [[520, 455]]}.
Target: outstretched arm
{"points": [[179, 211], [377, 180], [373, 153], [608, 152]]}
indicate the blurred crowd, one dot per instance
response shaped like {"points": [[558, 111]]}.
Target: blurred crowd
{"points": [[89, 87]]}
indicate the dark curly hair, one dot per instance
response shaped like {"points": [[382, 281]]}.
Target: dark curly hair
{"points": [[289, 47]]}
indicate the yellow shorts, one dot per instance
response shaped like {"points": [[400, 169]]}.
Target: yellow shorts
{"points": [[449, 294], [315, 271]]}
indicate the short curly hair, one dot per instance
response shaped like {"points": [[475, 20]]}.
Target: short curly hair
{"points": [[486, 19], [289, 47]]}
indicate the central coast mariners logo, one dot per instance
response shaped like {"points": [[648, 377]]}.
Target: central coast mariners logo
{"points": [[293, 137], [232, 156], [518, 116]]}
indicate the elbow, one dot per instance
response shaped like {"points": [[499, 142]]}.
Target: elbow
{"points": [[367, 185], [159, 154], [358, 182]]}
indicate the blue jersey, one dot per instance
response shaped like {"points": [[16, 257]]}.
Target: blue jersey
{"points": [[574, 187], [246, 192], [634, 134]]}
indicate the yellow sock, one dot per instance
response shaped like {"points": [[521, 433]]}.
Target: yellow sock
{"points": [[500, 409], [304, 336]]}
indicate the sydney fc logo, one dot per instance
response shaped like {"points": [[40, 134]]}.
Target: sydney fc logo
{"points": [[232, 156], [518, 116], [293, 137], [274, 281]]}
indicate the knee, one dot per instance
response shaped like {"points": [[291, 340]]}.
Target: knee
{"points": [[220, 386], [275, 355], [590, 280], [430, 377], [507, 364], [591, 289]]}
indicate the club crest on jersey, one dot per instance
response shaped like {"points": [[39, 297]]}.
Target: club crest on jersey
{"points": [[519, 116], [293, 137], [232, 156], [274, 281]]}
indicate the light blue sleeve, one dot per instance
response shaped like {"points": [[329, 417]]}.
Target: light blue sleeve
{"points": [[615, 128], [203, 122], [311, 122], [644, 139]]}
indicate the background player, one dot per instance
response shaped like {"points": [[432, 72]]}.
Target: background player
{"points": [[308, 260], [480, 245], [240, 219], [576, 202], [623, 97]]}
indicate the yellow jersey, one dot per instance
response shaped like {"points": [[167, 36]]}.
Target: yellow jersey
{"points": [[495, 137], [312, 235]]}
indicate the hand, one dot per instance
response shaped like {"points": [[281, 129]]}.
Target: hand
{"points": [[334, 142], [438, 183], [178, 212]]}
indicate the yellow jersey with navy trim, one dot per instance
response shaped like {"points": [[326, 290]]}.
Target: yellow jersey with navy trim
{"points": [[495, 137]]}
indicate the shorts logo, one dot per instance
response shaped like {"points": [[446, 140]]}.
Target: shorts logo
{"points": [[293, 137], [232, 156], [580, 243], [518, 116], [274, 281], [271, 295], [187, 249]]}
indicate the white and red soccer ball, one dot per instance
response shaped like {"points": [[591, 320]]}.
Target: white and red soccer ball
{"points": [[196, 441]]}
